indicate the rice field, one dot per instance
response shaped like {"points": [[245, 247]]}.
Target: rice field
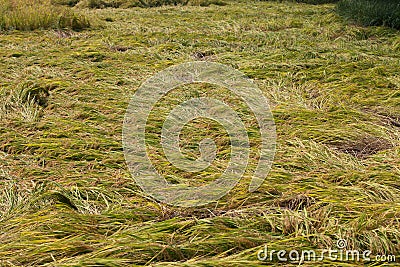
{"points": [[67, 197]]}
